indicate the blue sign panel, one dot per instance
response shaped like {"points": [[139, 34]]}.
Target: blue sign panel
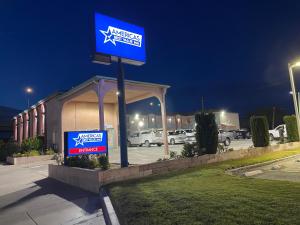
{"points": [[86, 142], [120, 39]]}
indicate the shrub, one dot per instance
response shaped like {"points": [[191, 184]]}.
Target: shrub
{"points": [[88, 161], [73, 161], [206, 133], [84, 161], [93, 163], [173, 154], [188, 150], [50, 151], [31, 144], [34, 153], [9, 149], [260, 131], [103, 161], [291, 128]]}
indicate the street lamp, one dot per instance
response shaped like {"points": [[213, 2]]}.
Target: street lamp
{"points": [[223, 113], [141, 123], [28, 91], [296, 107], [136, 116]]}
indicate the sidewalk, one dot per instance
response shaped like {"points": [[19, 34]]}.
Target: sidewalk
{"points": [[28, 196]]}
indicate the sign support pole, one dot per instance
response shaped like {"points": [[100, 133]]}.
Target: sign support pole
{"points": [[122, 115]]}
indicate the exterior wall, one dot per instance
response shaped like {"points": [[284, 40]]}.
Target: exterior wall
{"points": [[52, 123], [20, 129], [30, 124], [85, 116], [227, 120]]}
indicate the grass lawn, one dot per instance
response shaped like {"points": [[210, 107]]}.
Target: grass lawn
{"points": [[206, 195]]}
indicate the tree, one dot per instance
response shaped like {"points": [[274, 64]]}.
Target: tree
{"points": [[206, 133], [291, 128], [260, 131]]}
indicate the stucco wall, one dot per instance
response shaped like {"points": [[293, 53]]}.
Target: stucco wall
{"points": [[85, 116], [52, 121]]}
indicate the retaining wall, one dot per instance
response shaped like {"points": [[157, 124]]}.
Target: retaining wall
{"points": [[91, 180]]}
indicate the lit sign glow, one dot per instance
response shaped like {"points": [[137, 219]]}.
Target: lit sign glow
{"points": [[85, 142], [119, 39]]}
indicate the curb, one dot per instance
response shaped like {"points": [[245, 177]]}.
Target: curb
{"points": [[109, 213], [236, 170]]}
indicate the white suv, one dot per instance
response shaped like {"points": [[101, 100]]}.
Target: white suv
{"points": [[275, 132], [146, 137]]}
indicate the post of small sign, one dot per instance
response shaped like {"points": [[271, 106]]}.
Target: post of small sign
{"points": [[121, 42]]}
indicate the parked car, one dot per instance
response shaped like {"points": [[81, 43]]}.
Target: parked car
{"points": [[187, 132], [275, 133], [223, 137], [240, 134], [175, 137], [190, 140], [146, 137]]}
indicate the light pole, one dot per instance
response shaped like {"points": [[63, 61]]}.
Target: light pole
{"points": [[298, 99], [28, 91], [291, 66]]}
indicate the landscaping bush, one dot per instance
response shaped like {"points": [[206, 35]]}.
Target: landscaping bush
{"points": [[173, 154], [50, 151], [291, 128], [34, 153], [27, 154], [206, 133], [93, 163], [9, 149], [88, 161], [103, 161], [260, 131], [189, 150], [31, 144]]}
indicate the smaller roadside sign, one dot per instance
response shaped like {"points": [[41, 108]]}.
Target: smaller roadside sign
{"points": [[85, 142]]}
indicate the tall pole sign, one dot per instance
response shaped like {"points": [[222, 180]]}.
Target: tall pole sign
{"points": [[121, 42]]}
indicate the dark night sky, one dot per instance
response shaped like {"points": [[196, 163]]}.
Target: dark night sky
{"points": [[234, 53]]}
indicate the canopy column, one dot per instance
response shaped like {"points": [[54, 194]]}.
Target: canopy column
{"points": [[162, 100]]}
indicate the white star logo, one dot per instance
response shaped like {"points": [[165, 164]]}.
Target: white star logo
{"points": [[78, 140], [108, 36]]}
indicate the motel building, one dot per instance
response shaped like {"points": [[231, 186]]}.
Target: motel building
{"points": [[92, 105]]}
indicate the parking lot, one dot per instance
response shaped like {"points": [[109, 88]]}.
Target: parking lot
{"points": [[144, 155]]}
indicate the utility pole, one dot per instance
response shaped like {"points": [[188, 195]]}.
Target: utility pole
{"points": [[202, 103]]}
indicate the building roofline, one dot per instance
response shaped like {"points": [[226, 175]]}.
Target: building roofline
{"points": [[97, 78], [38, 103]]}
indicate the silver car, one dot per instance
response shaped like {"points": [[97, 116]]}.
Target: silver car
{"points": [[223, 137], [175, 137], [146, 137]]}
